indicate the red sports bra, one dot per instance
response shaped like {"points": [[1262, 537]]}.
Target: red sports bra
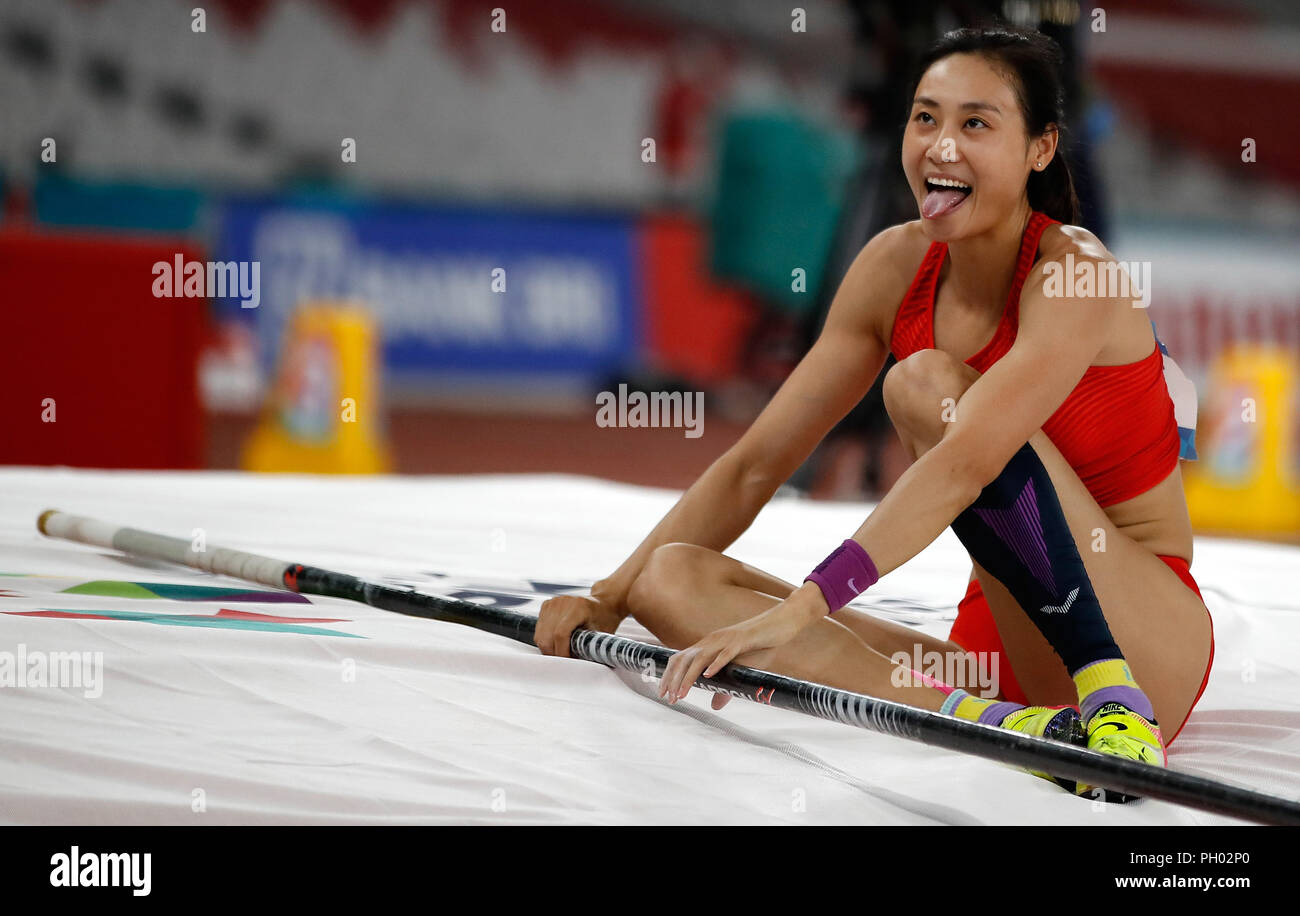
{"points": [[1116, 428]]}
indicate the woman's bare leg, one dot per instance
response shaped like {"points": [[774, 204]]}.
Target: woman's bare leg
{"points": [[686, 592], [1159, 624]]}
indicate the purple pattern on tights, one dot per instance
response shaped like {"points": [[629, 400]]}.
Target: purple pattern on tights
{"points": [[1020, 529]]}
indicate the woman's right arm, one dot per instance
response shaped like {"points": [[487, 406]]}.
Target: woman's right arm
{"points": [[831, 378]]}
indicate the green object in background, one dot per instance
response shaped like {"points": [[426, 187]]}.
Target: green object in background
{"points": [[781, 186], [59, 200]]}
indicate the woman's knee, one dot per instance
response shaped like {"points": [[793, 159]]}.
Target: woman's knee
{"points": [[915, 389], [665, 579]]}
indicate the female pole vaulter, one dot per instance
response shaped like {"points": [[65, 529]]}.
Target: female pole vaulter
{"points": [[1043, 434]]}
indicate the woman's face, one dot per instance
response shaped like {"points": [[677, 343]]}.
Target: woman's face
{"points": [[965, 128]]}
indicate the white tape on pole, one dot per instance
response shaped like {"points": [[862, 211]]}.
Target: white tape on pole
{"points": [[220, 560]]}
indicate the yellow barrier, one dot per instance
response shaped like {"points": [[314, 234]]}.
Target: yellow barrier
{"points": [[1248, 476], [325, 412]]}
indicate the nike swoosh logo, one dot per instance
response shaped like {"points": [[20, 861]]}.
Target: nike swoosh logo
{"points": [[1061, 608], [1118, 726], [856, 590]]}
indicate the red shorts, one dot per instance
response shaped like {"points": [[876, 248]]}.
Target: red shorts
{"points": [[975, 631]]}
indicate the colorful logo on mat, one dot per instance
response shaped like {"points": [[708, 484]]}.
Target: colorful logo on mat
{"points": [[110, 588], [225, 618]]}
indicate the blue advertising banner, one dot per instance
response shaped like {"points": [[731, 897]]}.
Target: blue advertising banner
{"points": [[460, 289]]}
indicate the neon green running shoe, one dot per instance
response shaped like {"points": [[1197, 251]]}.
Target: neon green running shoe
{"points": [[1058, 723], [1116, 729]]}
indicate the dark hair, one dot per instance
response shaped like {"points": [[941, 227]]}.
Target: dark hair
{"points": [[1033, 62]]}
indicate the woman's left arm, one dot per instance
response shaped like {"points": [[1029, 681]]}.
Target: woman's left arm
{"points": [[1057, 340]]}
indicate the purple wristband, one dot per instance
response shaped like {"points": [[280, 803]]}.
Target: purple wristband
{"points": [[845, 574]]}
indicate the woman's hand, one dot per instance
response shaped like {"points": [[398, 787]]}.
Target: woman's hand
{"points": [[774, 627], [563, 614]]}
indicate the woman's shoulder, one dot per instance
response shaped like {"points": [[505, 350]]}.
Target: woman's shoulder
{"points": [[906, 241], [1061, 239], [884, 269], [1072, 262], [892, 257], [1067, 257]]}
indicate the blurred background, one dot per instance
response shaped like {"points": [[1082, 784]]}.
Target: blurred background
{"points": [[457, 221]]}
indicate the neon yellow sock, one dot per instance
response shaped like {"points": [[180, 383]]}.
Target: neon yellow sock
{"points": [[977, 709], [1110, 681]]}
